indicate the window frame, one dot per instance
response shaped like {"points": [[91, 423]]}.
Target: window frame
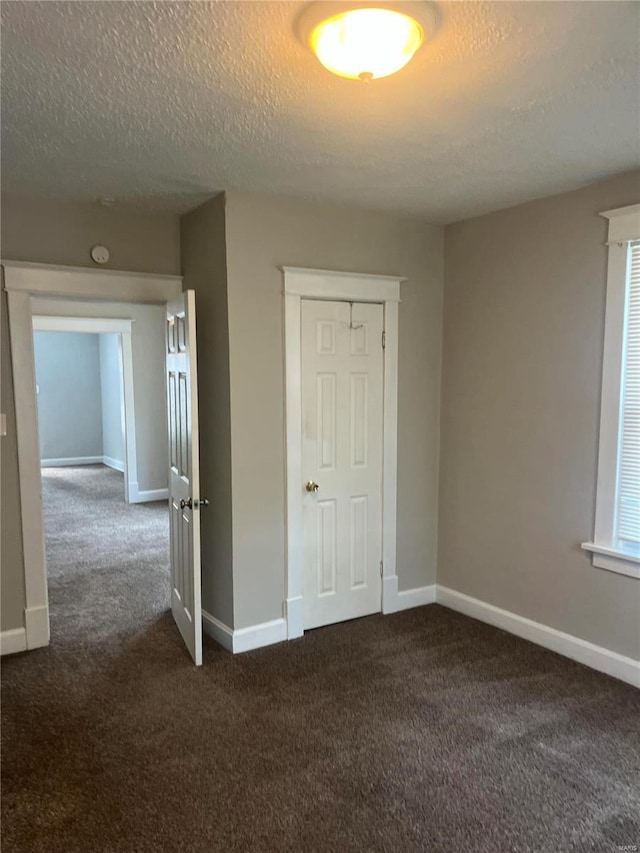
{"points": [[607, 552]]}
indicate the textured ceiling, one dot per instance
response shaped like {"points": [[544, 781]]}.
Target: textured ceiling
{"points": [[164, 103]]}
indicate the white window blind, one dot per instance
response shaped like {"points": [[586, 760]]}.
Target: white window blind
{"points": [[628, 514]]}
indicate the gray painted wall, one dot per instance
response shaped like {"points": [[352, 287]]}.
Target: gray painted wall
{"points": [[204, 270], [523, 342], [112, 398], [53, 232], [264, 232], [63, 232], [523, 326], [69, 401], [12, 595]]}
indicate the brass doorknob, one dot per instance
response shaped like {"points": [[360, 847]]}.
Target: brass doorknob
{"points": [[311, 486]]}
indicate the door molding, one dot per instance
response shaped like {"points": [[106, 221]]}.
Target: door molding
{"points": [[21, 282], [327, 285]]}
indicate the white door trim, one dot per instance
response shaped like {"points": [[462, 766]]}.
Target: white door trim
{"points": [[100, 325], [354, 287], [86, 325], [22, 281], [89, 283]]}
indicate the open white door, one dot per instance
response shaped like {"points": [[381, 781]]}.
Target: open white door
{"points": [[184, 471]]}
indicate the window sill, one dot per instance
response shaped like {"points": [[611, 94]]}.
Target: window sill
{"points": [[614, 561]]}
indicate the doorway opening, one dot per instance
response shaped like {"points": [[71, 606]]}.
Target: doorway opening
{"points": [[106, 536], [107, 560], [57, 291], [85, 393]]}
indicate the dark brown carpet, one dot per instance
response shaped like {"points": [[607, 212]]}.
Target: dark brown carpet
{"points": [[422, 731]]}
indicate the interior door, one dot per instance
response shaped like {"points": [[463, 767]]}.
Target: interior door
{"points": [[184, 471], [342, 432]]}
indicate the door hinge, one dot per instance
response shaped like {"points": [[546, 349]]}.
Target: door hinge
{"points": [[381, 568], [384, 339]]}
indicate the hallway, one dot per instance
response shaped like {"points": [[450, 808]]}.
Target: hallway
{"points": [[107, 561]]}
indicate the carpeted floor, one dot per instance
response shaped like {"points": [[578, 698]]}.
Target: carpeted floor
{"points": [[107, 561], [422, 731]]}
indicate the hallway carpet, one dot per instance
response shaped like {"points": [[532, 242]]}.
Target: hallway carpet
{"points": [[421, 731], [107, 560]]}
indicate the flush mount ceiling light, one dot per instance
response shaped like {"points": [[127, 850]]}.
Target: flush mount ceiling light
{"points": [[364, 41]]}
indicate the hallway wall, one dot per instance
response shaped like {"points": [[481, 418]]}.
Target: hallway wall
{"points": [[112, 398], [204, 267], [12, 594], [46, 231], [68, 395]]}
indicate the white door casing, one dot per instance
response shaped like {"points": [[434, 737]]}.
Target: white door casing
{"points": [[184, 471], [22, 281], [312, 284], [342, 396]]}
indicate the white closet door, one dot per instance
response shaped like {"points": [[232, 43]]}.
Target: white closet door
{"points": [[342, 431]]}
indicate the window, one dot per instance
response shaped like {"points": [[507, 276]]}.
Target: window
{"points": [[616, 542], [628, 515]]}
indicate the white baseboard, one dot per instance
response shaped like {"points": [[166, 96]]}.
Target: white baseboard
{"points": [[596, 657], [390, 594], [625, 668], [13, 641], [36, 621], [220, 632], [244, 639], [394, 600], [136, 496], [256, 636], [152, 495], [418, 597], [294, 612], [71, 460], [116, 464]]}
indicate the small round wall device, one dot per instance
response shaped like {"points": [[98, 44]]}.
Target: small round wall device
{"points": [[99, 254]]}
